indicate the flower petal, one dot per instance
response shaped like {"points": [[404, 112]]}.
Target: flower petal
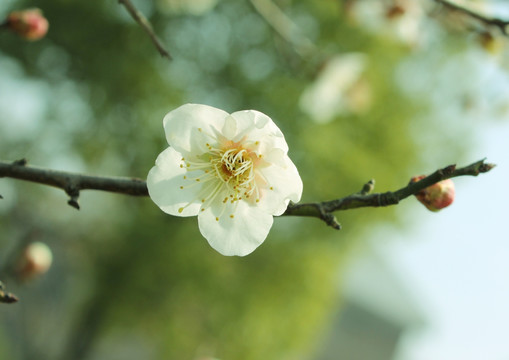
{"points": [[283, 182], [238, 235], [257, 126], [190, 127], [164, 181]]}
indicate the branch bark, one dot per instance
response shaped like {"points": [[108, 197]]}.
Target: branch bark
{"points": [[145, 24], [73, 183], [501, 24]]}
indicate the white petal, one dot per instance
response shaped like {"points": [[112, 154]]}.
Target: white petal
{"points": [[257, 126], [239, 235], [164, 181], [182, 127], [230, 128], [284, 184]]}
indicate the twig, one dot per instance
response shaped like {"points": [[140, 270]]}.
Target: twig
{"points": [[284, 26], [324, 210], [501, 24], [145, 24], [73, 183]]}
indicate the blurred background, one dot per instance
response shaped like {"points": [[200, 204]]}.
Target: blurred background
{"points": [[361, 89]]}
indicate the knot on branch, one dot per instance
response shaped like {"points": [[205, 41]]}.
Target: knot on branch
{"points": [[447, 171], [328, 217], [368, 187], [387, 198], [20, 162], [74, 195]]}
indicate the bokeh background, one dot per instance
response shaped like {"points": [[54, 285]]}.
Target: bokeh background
{"points": [[361, 89]]}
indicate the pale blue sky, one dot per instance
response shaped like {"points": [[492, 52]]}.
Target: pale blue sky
{"points": [[456, 263]]}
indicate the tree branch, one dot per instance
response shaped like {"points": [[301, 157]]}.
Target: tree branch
{"points": [[501, 24], [73, 183], [145, 24], [284, 26], [324, 210]]}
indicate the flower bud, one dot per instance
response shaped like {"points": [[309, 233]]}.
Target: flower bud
{"points": [[30, 24], [34, 261], [436, 196]]}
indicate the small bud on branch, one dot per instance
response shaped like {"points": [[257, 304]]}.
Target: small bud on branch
{"points": [[30, 24]]}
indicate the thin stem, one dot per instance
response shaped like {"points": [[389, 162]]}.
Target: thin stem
{"points": [[145, 24], [324, 210], [501, 24], [284, 26]]}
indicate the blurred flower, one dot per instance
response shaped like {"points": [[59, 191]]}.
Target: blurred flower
{"points": [[436, 196], [399, 19], [35, 260], [231, 170], [29, 24], [339, 89]]}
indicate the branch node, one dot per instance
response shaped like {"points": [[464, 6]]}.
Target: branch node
{"points": [[486, 167], [20, 162], [387, 198], [74, 194], [328, 217], [448, 170], [368, 187]]}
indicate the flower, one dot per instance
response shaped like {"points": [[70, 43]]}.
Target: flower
{"points": [[339, 89], [29, 24], [35, 260], [232, 171], [436, 196]]}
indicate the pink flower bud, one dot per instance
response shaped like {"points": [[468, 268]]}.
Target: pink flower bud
{"points": [[29, 24], [34, 261], [436, 196]]}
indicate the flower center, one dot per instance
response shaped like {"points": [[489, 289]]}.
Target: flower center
{"points": [[235, 168], [226, 172]]}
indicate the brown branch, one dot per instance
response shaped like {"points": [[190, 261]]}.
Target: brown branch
{"points": [[284, 27], [145, 24], [324, 210], [73, 183], [501, 24]]}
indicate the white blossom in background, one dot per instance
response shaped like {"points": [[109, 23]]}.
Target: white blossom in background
{"points": [[231, 170], [402, 20], [339, 89]]}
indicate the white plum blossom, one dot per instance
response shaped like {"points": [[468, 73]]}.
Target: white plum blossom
{"points": [[231, 170], [339, 89]]}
